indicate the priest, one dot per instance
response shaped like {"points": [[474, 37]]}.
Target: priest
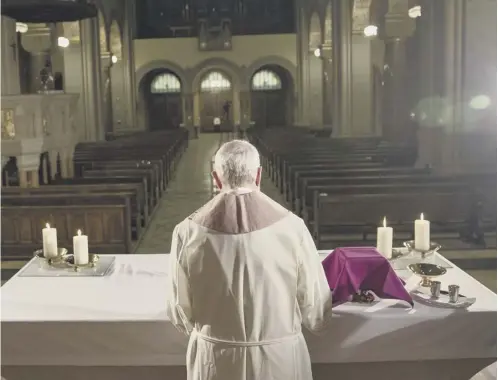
{"points": [[245, 275]]}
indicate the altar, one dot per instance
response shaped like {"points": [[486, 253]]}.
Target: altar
{"points": [[115, 327]]}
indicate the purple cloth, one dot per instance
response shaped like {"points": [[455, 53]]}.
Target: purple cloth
{"points": [[349, 270]]}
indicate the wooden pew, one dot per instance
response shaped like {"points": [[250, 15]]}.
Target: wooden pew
{"points": [[165, 146], [145, 173], [157, 165], [327, 175], [118, 180], [362, 213], [134, 190], [105, 218]]}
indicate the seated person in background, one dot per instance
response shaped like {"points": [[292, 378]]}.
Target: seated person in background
{"points": [[245, 274]]}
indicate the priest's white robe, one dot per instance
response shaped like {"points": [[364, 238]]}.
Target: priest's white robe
{"points": [[245, 275]]}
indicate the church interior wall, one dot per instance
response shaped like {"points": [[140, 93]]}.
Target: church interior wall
{"points": [[185, 53], [182, 57]]}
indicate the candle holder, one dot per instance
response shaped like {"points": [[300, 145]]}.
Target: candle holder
{"points": [[61, 254], [93, 258], [427, 272], [433, 248]]}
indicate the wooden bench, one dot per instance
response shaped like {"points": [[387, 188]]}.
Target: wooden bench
{"points": [[120, 180], [156, 165], [105, 218], [135, 190], [449, 212], [152, 183], [303, 177]]}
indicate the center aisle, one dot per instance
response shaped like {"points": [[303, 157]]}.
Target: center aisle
{"points": [[187, 191]]}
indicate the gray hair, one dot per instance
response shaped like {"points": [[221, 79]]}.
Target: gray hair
{"points": [[236, 164]]}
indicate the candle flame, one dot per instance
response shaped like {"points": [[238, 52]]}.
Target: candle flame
{"points": [[79, 232], [422, 216], [385, 224], [47, 225]]}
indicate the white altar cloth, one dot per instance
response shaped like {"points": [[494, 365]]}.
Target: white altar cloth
{"points": [[120, 321]]}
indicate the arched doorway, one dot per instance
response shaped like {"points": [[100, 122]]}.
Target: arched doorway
{"points": [[162, 92], [216, 97], [271, 97]]}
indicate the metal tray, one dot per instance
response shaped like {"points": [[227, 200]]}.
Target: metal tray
{"points": [[39, 268]]}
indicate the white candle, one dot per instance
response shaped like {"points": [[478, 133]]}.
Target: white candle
{"points": [[49, 242], [385, 240], [422, 234], [80, 249]]}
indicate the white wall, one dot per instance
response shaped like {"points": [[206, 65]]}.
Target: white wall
{"points": [[184, 51]]}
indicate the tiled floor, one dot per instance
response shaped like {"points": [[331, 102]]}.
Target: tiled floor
{"points": [[191, 188]]}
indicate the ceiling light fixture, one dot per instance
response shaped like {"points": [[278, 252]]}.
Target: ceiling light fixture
{"points": [[21, 27], [62, 42], [371, 31], [415, 11]]}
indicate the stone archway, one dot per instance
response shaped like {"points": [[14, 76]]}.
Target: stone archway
{"points": [[231, 71], [272, 96], [143, 78], [216, 101], [161, 91]]}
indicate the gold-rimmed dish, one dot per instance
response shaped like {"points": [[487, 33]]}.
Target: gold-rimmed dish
{"points": [[427, 272]]}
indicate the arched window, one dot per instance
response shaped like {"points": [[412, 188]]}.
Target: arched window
{"points": [[266, 80], [165, 83], [215, 81]]}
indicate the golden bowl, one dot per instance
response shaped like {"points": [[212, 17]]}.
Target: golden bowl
{"points": [[427, 272]]}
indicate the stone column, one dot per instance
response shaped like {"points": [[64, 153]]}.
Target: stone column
{"points": [[188, 113], [52, 158], [91, 78], [28, 162], [328, 84], [105, 65], [128, 64], [396, 113], [245, 109], [303, 57], [37, 41], [9, 57], [27, 167], [5, 160], [346, 32], [46, 179], [67, 164], [335, 69]]}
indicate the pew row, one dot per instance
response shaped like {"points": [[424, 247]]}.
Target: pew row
{"points": [[105, 218]]}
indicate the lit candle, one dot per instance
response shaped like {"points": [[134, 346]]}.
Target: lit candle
{"points": [[80, 249], [385, 240], [49, 242], [422, 234]]}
